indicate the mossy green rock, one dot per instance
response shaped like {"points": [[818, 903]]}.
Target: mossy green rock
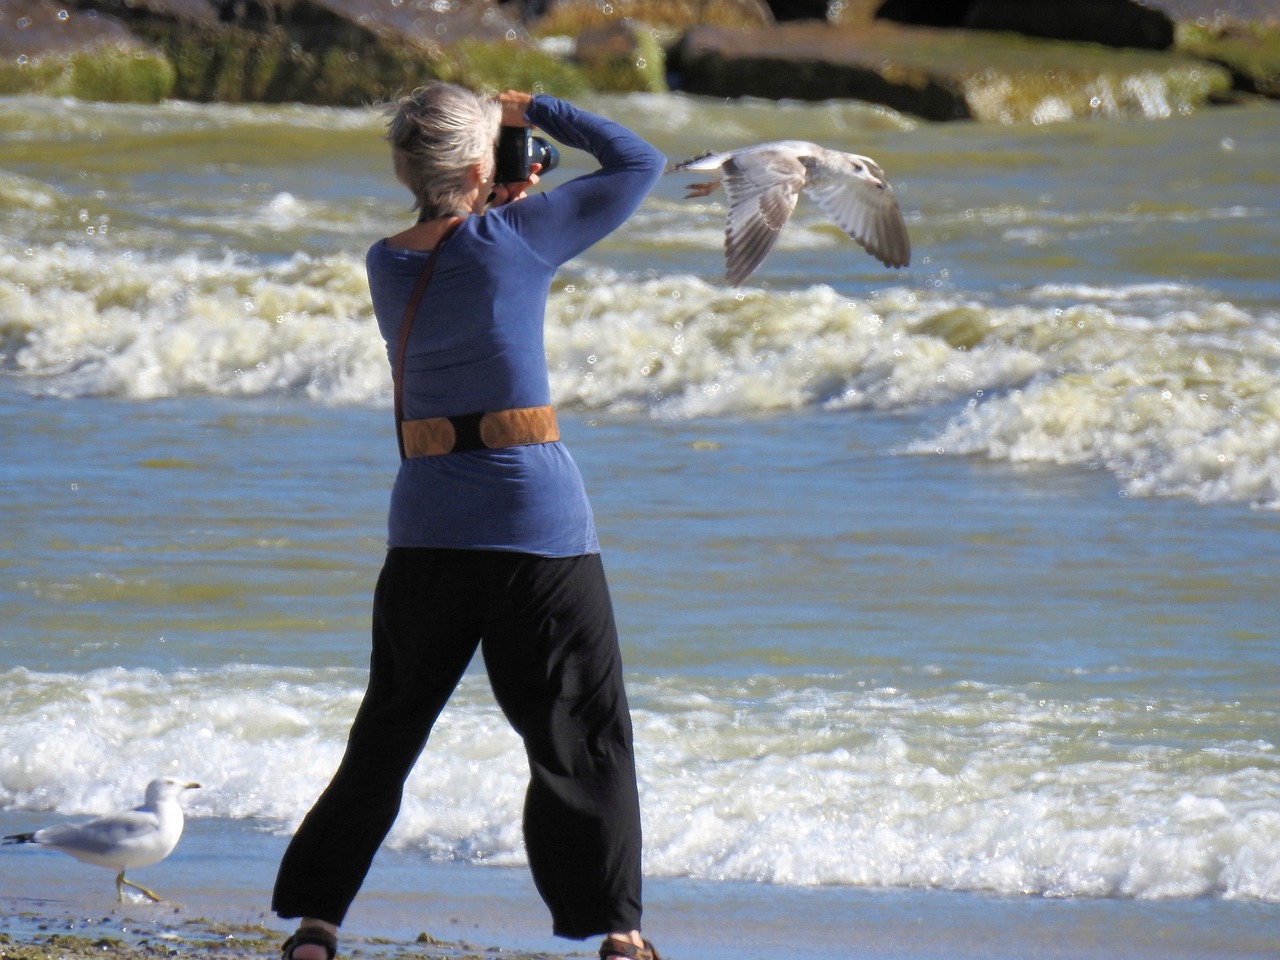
{"points": [[352, 52], [486, 65], [1251, 53], [945, 75], [622, 57], [122, 76], [105, 73], [235, 64], [58, 50]]}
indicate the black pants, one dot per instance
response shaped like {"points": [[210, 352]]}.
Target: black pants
{"points": [[546, 630]]}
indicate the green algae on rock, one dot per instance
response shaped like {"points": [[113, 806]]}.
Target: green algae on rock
{"points": [[236, 65], [1251, 52], [622, 57], [490, 65], [572, 17], [106, 72], [946, 75]]}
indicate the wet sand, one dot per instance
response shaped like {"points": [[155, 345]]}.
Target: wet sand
{"points": [[219, 884], [123, 937]]}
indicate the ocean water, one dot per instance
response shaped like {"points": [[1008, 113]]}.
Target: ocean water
{"points": [[948, 594]]}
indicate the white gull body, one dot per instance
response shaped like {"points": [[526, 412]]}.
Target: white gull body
{"points": [[764, 182], [128, 838]]}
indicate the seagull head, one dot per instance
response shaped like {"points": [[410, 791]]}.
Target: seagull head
{"points": [[864, 168], [167, 788]]}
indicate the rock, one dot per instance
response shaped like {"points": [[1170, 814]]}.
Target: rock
{"points": [[810, 61], [784, 10], [1241, 35], [1250, 52], [1115, 23], [59, 50], [337, 52], [236, 51], [347, 52], [623, 55], [924, 13], [1151, 24], [571, 17], [943, 75], [35, 28], [621, 45], [319, 24], [1217, 12]]}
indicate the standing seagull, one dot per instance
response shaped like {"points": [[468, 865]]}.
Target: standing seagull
{"points": [[130, 838], [763, 183]]}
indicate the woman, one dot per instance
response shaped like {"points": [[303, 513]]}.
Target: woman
{"points": [[491, 538]]}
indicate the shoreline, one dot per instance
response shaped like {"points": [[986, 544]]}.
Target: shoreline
{"points": [[953, 927], [412, 908], [112, 938], [123, 936]]}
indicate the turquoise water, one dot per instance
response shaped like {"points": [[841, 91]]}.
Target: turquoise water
{"points": [[947, 594]]}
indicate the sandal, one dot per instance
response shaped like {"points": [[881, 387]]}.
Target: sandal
{"points": [[613, 947], [300, 938]]}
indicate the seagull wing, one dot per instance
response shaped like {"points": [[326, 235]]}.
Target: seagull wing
{"points": [[101, 840], [864, 207], [763, 184]]}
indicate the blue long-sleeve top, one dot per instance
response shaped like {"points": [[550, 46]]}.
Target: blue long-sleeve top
{"points": [[477, 344]]}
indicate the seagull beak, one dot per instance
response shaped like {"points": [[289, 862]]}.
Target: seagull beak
{"points": [[192, 786]]}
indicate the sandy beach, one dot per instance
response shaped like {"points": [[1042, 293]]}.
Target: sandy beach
{"points": [[219, 880], [126, 937]]}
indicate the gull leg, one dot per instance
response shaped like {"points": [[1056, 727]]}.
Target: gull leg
{"points": [[701, 189], [121, 883]]}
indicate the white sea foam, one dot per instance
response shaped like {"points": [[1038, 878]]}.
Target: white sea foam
{"points": [[125, 325], [1172, 391], [1173, 404], [957, 787]]}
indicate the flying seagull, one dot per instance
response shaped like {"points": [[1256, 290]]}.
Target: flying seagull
{"points": [[129, 838], [764, 181]]}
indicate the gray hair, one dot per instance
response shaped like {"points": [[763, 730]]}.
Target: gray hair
{"points": [[437, 134]]}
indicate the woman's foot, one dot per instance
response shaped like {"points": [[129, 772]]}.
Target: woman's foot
{"points": [[627, 946], [314, 940]]}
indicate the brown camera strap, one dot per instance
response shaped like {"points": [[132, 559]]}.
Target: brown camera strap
{"points": [[406, 324]]}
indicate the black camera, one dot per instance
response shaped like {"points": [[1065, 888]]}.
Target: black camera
{"points": [[516, 153]]}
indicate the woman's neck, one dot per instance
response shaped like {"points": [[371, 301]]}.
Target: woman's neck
{"points": [[427, 216], [425, 234]]}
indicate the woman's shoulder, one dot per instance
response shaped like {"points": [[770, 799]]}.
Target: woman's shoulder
{"points": [[385, 263], [382, 254]]}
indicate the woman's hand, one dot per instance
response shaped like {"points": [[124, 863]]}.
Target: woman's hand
{"points": [[511, 192], [514, 104]]}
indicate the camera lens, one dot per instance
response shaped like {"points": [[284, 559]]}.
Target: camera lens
{"points": [[517, 150], [544, 153]]}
